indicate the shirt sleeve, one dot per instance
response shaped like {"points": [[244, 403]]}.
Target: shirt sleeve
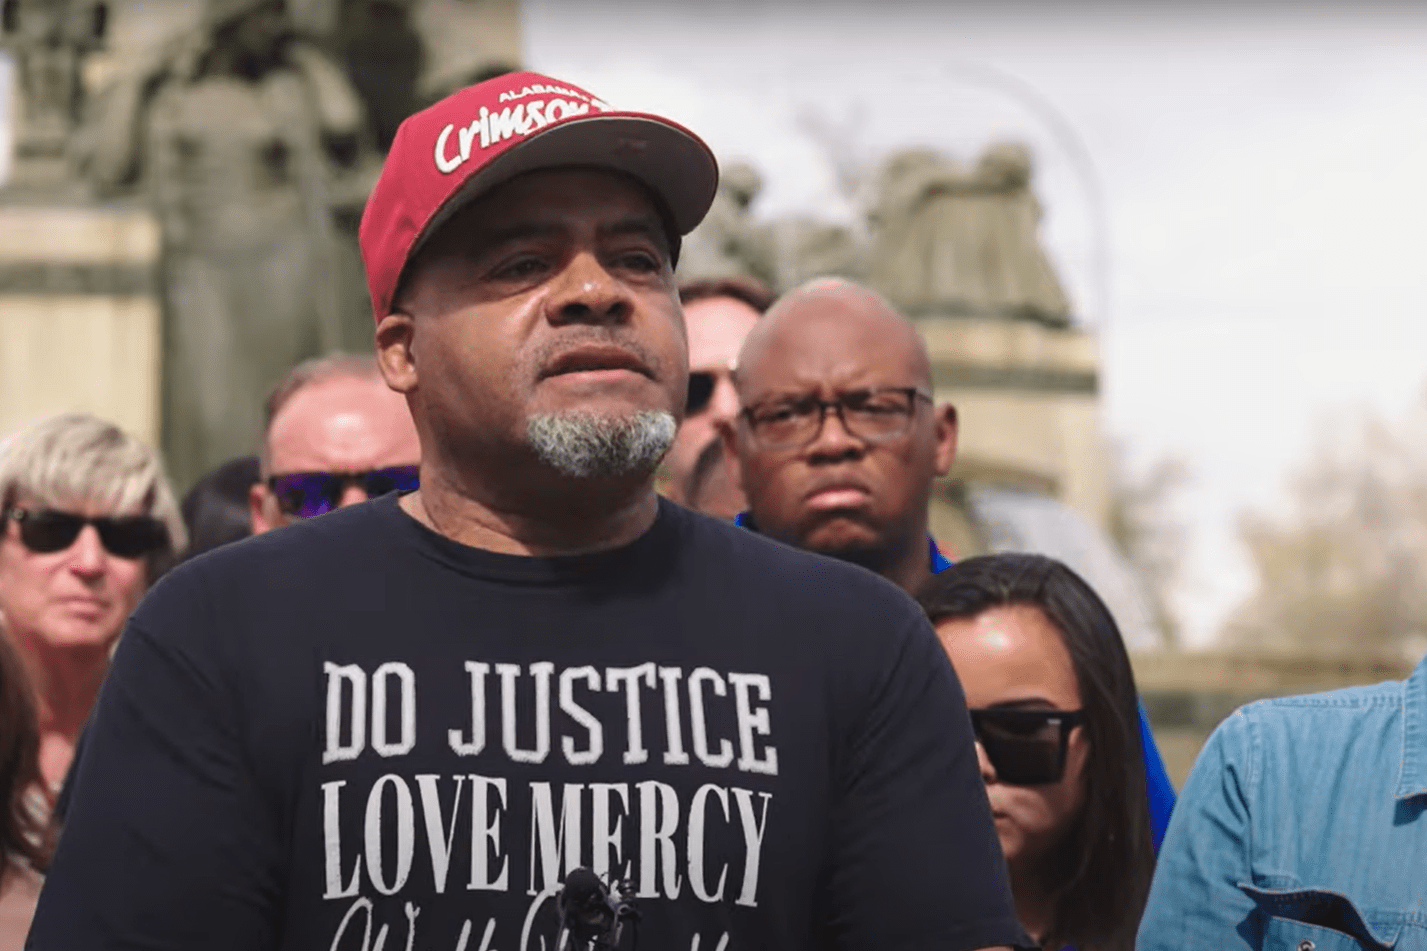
{"points": [[167, 843], [915, 862], [1195, 901]]}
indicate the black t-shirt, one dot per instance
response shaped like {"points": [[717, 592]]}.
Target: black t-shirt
{"points": [[355, 733]]}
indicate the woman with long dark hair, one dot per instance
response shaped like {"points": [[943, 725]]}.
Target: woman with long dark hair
{"points": [[26, 836], [1056, 716]]}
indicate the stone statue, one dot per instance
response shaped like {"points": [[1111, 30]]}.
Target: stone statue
{"points": [[248, 141], [383, 55], [728, 242], [781, 253], [49, 40], [802, 248], [949, 240]]}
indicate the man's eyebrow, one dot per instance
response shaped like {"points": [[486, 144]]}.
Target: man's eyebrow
{"points": [[518, 232], [638, 224]]}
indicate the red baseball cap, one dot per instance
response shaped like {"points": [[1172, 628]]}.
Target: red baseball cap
{"points": [[486, 134]]}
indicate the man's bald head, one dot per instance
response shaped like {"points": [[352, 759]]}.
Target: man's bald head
{"points": [[853, 491], [835, 321]]}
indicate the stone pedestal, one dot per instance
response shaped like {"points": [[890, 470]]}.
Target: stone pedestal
{"points": [[79, 315], [1027, 394]]}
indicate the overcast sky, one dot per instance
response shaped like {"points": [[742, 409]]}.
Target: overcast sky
{"points": [[1235, 197]]}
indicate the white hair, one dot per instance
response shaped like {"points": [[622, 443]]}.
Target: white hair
{"points": [[74, 460]]}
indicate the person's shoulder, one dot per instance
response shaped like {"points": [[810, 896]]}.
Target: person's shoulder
{"points": [[1326, 705], [346, 532], [749, 553], [757, 567], [1308, 733], [302, 554]]}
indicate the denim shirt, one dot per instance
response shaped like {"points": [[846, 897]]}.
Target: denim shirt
{"points": [[1302, 826]]}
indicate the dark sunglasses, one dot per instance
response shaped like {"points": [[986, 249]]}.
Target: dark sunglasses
{"points": [[701, 387], [49, 530], [305, 494], [1026, 747]]}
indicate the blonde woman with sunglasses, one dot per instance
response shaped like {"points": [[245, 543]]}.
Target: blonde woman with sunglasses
{"points": [[89, 523]]}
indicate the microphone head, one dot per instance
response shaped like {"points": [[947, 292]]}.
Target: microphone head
{"points": [[581, 885], [584, 906]]}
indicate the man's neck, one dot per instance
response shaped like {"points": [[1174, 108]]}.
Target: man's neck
{"points": [[571, 517], [912, 567]]}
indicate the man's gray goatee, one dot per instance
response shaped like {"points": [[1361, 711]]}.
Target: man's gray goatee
{"points": [[594, 446]]}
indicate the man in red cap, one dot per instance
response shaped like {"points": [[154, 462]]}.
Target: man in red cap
{"points": [[528, 705]]}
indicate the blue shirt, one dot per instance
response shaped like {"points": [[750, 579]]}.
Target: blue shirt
{"points": [[1157, 784], [1303, 825]]}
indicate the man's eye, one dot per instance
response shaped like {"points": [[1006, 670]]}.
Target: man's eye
{"points": [[779, 414], [876, 405], [521, 268], [640, 261]]}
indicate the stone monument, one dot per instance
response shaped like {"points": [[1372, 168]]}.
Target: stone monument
{"points": [[728, 242], [183, 197], [247, 141], [781, 253], [79, 313], [952, 241]]}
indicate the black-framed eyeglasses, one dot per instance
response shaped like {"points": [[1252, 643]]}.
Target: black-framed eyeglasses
{"points": [[1025, 747], [872, 415], [44, 531], [307, 494]]}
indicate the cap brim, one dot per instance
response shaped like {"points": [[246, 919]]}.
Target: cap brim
{"points": [[673, 162]]}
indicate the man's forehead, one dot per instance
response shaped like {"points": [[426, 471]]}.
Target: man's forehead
{"points": [[831, 347], [338, 395], [717, 328], [552, 201]]}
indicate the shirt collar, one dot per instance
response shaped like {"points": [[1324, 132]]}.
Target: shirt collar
{"points": [[939, 562], [1413, 781]]}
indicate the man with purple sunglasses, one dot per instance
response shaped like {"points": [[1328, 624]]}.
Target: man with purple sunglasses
{"points": [[336, 435]]}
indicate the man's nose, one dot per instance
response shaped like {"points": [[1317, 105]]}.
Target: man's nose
{"points": [[86, 555], [351, 495], [589, 294], [724, 405], [833, 441]]}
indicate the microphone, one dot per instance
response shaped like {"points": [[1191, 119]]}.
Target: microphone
{"points": [[590, 915]]}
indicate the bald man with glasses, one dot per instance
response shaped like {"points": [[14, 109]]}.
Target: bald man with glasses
{"points": [[840, 441]]}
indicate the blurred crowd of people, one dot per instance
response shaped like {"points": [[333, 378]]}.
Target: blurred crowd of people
{"points": [[810, 419]]}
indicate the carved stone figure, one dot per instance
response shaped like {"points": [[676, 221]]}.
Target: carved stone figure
{"points": [[48, 40], [955, 241], [781, 253], [248, 140], [728, 242]]}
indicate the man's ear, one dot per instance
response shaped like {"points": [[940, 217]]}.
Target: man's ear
{"points": [[396, 351], [945, 422], [258, 512]]}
